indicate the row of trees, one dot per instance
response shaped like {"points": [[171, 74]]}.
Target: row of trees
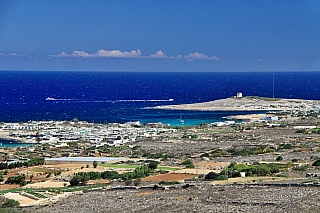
{"points": [[234, 170], [82, 178], [18, 164], [20, 179]]}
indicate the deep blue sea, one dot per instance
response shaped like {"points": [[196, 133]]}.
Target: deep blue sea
{"points": [[105, 97]]}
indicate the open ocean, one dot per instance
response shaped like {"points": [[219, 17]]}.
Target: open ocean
{"points": [[105, 97]]}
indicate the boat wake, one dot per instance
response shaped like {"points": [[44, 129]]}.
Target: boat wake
{"points": [[113, 101]]}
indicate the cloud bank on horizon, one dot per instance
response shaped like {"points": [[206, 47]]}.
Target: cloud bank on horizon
{"points": [[122, 54], [134, 54]]}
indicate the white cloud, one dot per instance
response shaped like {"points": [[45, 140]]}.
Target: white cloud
{"points": [[16, 54], [117, 54], [200, 56], [102, 53], [74, 54], [134, 54], [158, 54]]}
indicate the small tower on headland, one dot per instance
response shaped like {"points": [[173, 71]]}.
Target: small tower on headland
{"points": [[239, 95]]}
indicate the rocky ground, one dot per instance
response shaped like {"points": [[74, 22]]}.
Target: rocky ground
{"points": [[199, 198], [246, 103]]}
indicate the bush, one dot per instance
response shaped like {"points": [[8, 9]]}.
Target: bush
{"points": [[301, 168], [95, 164], [316, 163], [23, 183], [155, 187], [279, 158], [188, 163], [137, 182], [128, 182], [211, 176], [221, 177], [153, 165], [10, 203]]}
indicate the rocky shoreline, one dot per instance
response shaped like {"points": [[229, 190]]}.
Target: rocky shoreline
{"points": [[248, 103]]}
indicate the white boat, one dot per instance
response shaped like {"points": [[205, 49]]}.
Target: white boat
{"points": [[50, 99], [181, 121], [171, 99]]}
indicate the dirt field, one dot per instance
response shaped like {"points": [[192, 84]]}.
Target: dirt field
{"points": [[169, 177], [22, 199], [9, 186]]}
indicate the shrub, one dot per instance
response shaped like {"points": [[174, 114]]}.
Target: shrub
{"points": [[211, 176], [128, 182], [155, 187], [137, 182], [23, 183], [221, 177], [188, 163], [153, 165], [316, 163], [95, 164], [8, 203], [301, 168]]}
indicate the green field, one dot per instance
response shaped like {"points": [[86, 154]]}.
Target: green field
{"points": [[167, 168]]}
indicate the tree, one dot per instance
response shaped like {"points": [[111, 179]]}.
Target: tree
{"points": [[23, 183], [95, 164], [31, 177], [1, 177], [279, 158], [153, 165], [75, 181], [211, 176]]}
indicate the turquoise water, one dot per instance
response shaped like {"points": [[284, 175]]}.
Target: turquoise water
{"points": [[11, 144]]}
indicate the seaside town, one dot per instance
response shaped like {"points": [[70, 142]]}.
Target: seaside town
{"points": [[264, 162]]}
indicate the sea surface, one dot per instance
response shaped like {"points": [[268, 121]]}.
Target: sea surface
{"points": [[11, 143], [105, 97]]}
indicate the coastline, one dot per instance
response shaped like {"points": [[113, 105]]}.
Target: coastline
{"points": [[247, 104], [5, 136]]}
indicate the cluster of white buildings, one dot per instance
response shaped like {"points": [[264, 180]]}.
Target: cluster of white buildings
{"points": [[61, 132]]}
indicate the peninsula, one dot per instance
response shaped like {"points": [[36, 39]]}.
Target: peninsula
{"points": [[248, 103]]}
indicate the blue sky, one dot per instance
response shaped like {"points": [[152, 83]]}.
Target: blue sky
{"points": [[164, 35]]}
